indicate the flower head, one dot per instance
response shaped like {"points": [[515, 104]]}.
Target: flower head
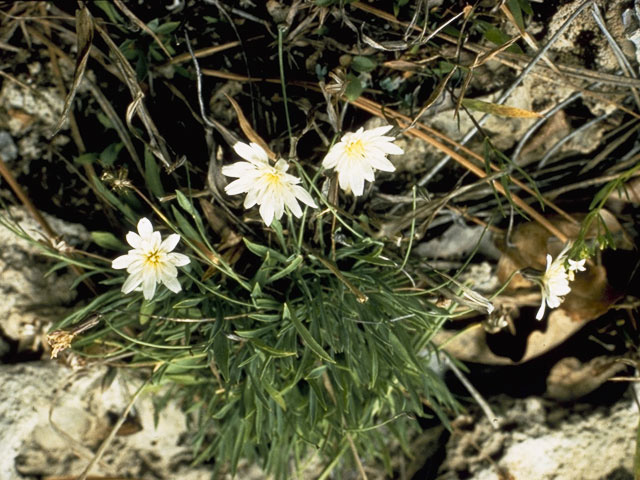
{"points": [[151, 261], [269, 186], [358, 154], [554, 282]]}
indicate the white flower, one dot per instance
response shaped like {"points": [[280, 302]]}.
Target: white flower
{"points": [[357, 155], [265, 185], [554, 282], [575, 266], [150, 262]]}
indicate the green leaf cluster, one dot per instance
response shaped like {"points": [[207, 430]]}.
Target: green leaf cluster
{"points": [[295, 349]]}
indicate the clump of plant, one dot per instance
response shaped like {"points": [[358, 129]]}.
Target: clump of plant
{"points": [[295, 334]]}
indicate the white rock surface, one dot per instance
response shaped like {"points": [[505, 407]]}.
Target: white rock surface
{"points": [[32, 300], [32, 448], [543, 440]]}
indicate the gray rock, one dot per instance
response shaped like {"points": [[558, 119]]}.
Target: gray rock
{"points": [[82, 415], [8, 149], [543, 440], [31, 299]]}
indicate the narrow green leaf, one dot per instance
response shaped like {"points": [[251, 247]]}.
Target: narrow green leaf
{"points": [[184, 225], [107, 240], [526, 7], [86, 158], [145, 311], [306, 334], [152, 174], [294, 264], [274, 352], [185, 203], [273, 393], [167, 27], [110, 154], [221, 354], [516, 11], [189, 302], [262, 251]]}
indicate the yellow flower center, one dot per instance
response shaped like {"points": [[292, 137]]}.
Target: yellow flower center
{"points": [[274, 179], [152, 258], [355, 148]]}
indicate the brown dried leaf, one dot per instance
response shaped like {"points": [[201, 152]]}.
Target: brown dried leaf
{"points": [[571, 379], [248, 130], [472, 345], [84, 36], [498, 110]]}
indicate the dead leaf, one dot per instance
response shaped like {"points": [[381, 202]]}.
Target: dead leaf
{"points": [[248, 130], [84, 37], [471, 346], [498, 110], [571, 379]]}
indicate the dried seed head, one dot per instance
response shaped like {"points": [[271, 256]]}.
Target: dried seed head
{"points": [[60, 340]]}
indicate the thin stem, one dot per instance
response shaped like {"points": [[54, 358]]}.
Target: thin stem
{"points": [[281, 30]]}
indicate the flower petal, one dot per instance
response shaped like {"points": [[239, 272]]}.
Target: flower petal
{"points": [[145, 228], [132, 282], [304, 196], [242, 185], [252, 198], [149, 286], [136, 265], [382, 163], [170, 242], [167, 270], [540, 313], [292, 204], [238, 169], [121, 262], [253, 152], [178, 259], [377, 132], [134, 239], [172, 284], [267, 211]]}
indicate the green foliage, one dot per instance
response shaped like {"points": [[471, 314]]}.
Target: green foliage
{"points": [[363, 64], [354, 87], [107, 240], [293, 348]]}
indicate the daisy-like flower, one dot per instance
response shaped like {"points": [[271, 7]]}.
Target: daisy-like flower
{"points": [[269, 186], [554, 282], [151, 261], [358, 154]]}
